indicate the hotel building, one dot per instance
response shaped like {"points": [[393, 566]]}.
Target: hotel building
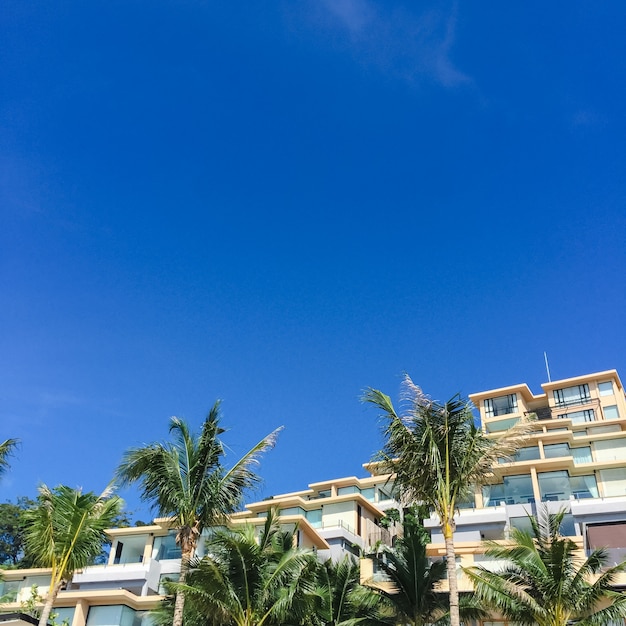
{"points": [[574, 458]]}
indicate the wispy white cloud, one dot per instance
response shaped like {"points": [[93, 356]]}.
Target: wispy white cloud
{"points": [[411, 46]]}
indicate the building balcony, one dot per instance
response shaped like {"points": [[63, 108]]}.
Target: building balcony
{"points": [[138, 578]]}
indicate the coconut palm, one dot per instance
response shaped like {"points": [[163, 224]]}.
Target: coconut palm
{"points": [[438, 456], [6, 449], [413, 582], [248, 581], [65, 532], [545, 580], [186, 481], [340, 599]]}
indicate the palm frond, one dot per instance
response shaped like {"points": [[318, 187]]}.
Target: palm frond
{"points": [[7, 448]]}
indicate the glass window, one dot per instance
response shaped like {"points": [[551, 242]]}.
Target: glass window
{"points": [[613, 482], [582, 455], [164, 579], [516, 489], [166, 547], [584, 486], [368, 493], [611, 449], [530, 453], [502, 425], [554, 485], [383, 495], [521, 523], [606, 388], [611, 412], [578, 394], [342, 491], [601, 430], [63, 615], [561, 486], [502, 405], [315, 518], [577, 417], [324, 494], [556, 450], [294, 510], [116, 615]]}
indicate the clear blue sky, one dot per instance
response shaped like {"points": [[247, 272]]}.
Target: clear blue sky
{"points": [[281, 203]]}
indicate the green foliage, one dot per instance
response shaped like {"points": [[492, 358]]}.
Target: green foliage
{"points": [[32, 606], [7, 448], [438, 456], [544, 580], [185, 478], [340, 599], [186, 481], [414, 580], [245, 581], [65, 530], [12, 533], [391, 518]]}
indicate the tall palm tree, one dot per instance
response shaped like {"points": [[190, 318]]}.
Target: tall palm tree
{"points": [[248, 581], [6, 449], [186, 481], [341, 600], [65, 532], [414, 581], [544, 580], [438, 456]]}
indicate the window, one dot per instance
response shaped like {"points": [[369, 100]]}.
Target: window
{"points": [[294, 510], [516, 489], [578, 417], [502, 405], [560, 485], [613, 482], [578, 394], [342, 491], [493, 427], [164, 579], [556, 450], [530, 453], [582, 455], [166, 547], [606, 388], [116, 615], [611, 412], [314, 518], [368, 493], [611, 449]]}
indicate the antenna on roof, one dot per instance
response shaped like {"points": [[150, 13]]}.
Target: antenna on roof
{"points": [[545, 358]]}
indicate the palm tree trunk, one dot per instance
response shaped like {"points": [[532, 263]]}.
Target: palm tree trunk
{"points": [[179, 604], [51, 596], [448, 534]]}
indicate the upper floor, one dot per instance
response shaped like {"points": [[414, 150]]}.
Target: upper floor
{"points": [[591, 398]]}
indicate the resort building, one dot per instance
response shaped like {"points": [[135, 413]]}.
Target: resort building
{"points": [[575, 458]]}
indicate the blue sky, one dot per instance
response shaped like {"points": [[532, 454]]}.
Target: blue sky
{"points": [[281, 203]]}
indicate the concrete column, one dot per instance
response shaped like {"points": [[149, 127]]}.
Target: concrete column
{"points": [[80, 613]]}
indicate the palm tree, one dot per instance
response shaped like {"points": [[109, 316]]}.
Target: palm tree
{"points": [[186, 481], [6, 449], [438, 456], [65, 532], [342, 601], [544, 580], [248, 581], [414, 582]]}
